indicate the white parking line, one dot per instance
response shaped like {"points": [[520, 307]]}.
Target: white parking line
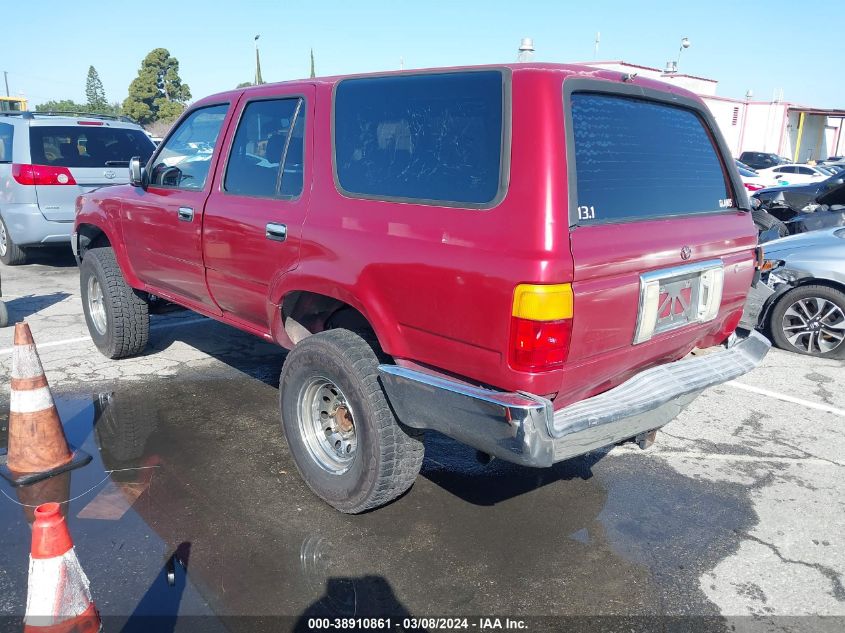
{"points": [[781, 396], [83, 339]]}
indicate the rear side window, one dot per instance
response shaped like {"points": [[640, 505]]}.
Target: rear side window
{"points": [[637, 159], [267, 154], [7, 134], [433, 138], [87, 146]]}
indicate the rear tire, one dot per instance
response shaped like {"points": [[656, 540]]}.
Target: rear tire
{"points": [[117, 317], [347, 444], [10, 253]]}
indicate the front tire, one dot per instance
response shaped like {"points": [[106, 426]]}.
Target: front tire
{"points": [[347, 444], [10, 253], [117, 318], [810, 320]]}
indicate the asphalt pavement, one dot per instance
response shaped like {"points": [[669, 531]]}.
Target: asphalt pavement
{"points": [[732, 520]]}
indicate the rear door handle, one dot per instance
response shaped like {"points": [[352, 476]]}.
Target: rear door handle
{"points": [[276, 232], [186, 214]]}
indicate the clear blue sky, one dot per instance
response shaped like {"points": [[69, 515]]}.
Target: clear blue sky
{"points": [[48, 47]]}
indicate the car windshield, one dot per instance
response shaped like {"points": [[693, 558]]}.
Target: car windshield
{"points": [[88, 146]]}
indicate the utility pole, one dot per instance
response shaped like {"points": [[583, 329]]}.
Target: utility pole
{"points": [[596, 49], [6, 78], [258, 78]]}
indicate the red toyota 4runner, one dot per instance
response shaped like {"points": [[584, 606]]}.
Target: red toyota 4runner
{"points": [[516, 256]]}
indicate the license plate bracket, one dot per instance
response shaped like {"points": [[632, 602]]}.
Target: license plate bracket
{"points": [[676, 297]]}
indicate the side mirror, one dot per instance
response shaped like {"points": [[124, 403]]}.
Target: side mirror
{"points": [[137, 173]]}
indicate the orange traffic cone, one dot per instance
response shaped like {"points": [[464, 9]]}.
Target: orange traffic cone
{"points": [[58, 599], [37, 445]]}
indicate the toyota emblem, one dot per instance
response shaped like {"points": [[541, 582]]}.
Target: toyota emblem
{"points": [[109, 173], [686, 253]]}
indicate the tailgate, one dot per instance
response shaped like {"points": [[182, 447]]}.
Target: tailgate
{"points": [[58, 202], [663, 257]]}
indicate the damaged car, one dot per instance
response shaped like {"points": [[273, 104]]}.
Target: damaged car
{"points": [[800, 208], [800, 303]]}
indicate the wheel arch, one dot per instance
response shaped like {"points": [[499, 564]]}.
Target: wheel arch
{"points": [[316, 308], [92, 235]]}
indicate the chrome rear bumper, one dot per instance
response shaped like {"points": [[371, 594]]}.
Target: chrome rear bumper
{"points": [[525, 429]]}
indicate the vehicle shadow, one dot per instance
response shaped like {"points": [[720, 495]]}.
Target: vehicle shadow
{"points": [[20, 308], [455, 468], [238, 350], [55, 257], [358, 597]]}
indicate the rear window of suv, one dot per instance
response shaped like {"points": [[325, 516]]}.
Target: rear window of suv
{"points": [[88, 146], [432, 138], [638, 159]]}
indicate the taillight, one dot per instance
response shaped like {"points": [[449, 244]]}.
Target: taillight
{"points": [[541, 327], [41, 175], [751, 187]]}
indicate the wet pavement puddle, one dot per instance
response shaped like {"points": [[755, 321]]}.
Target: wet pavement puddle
{"points": [[193, 506]]}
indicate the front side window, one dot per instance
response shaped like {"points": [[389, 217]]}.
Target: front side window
{"points": [[433, 138], [267, 154], [185, 159], [87, 145], [638, 159], [7, 133]]}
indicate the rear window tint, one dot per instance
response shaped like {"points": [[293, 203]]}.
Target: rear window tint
{"points": [[88, 146], [7, 134], [429, 137], [642, 159]]}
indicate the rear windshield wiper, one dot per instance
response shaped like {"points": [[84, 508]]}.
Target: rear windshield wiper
{"points": [[117, 163]]}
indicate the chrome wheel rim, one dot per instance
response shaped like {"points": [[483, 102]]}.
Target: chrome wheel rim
{"points": [[814, 325], [3, 239], [96, 305], [327, 425]]}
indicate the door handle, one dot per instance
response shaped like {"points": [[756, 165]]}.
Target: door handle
{"points": [[276, 232], [186, 214]]}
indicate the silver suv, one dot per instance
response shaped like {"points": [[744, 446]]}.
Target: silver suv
{"points": [[46, 161]]}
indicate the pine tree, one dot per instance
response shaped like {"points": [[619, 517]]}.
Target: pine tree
{"points": [[94, 92], [157, 92]]}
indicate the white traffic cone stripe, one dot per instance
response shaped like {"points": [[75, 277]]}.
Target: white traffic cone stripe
{"points": [[25, 362], [30, 400], [58, 590]]}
